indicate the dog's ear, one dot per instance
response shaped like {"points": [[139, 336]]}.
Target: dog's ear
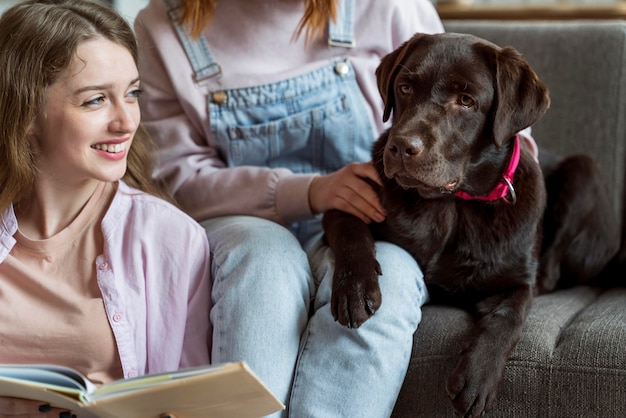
{"points": [[387, 71], [521, 97]]}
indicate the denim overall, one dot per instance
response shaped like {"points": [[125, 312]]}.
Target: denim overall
{"points": [[271, 297], [313, 123]]}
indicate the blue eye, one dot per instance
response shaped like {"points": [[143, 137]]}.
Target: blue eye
{"points": [[93, 102], [135, 93]]}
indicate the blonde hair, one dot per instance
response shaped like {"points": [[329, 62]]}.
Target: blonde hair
{"points": [[38, 40], [196, 14]]}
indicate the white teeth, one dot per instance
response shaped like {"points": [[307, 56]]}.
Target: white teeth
{"points": [[112, 148]]}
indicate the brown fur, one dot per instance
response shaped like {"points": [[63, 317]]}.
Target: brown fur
{"points": [[458, 102]]}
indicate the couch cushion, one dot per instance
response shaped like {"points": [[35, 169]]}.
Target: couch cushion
{"points": [[570, 361]]}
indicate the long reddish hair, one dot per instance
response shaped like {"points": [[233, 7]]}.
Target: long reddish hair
{"points": [[196, 14]]}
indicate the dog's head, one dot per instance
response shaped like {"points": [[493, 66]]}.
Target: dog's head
{"points": [[457, 103]]}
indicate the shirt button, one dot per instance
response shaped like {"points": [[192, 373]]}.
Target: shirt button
{"points": [[103, 266], [220, 97], [117, 317], [341, 68], [132, 373]]}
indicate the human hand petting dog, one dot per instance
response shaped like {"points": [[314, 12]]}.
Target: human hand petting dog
{"points": [[349, 190]]}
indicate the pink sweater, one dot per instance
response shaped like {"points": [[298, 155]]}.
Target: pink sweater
{"points": [[252, 41]]}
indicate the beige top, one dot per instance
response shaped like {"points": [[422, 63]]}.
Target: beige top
{"points": [[51, 308]]}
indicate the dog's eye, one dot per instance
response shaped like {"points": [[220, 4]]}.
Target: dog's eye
{"points": [[465, 100], [405, 89]]}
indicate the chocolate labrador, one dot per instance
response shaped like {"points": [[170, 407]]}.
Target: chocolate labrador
{"points": [[466, 196]]}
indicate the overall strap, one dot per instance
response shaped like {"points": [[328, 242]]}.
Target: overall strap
{"points": [[198, 51], [340, 33]]}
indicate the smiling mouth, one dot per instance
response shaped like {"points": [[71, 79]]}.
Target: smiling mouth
{"points": [[110, 148]]}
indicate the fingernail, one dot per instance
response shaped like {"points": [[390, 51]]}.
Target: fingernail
{"points": [[44, 407]]}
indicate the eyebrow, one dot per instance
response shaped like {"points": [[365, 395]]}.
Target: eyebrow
{"points": [[102, 86]]}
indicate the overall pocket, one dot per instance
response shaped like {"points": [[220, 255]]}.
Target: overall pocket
{"points": [[318, 128]]}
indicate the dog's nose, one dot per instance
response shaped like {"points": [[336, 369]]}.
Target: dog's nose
{"points": [[404, 147]]}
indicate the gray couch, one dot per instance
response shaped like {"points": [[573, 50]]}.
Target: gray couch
{"points": [[571, 359]]}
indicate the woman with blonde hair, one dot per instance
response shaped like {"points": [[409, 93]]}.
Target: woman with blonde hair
{"points": [[94, 268], [264, 112]]}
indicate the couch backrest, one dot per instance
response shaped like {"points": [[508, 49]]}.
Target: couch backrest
{"points": [[583, 63]]}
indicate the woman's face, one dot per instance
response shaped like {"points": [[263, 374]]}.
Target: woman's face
{"points": [[89, 116]]}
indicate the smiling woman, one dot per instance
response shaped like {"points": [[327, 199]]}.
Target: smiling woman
{"points": [[86, 125], [85, 279]]}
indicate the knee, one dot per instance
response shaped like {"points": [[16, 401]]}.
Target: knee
{"points": [[402, 280], [248, 232], [257, 256], [252, 240]]}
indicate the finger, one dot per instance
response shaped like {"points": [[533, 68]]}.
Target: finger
{"points": [[365, 191], [367, 170], [364, 210], [16, 407], [364, 198], [19, 407], [358, 183], [359, 207]]}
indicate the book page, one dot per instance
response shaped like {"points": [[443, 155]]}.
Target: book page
{"points": [[232, 390], [221, 391], [60, 378], [146, 381], [60, 397]]}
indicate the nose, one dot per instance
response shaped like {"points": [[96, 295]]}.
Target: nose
{"points": [[404, 147], [124, 117]]}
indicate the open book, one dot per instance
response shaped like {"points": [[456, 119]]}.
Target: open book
{"points": [[219, 391]]}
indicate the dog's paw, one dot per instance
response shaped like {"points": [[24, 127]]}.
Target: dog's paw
{"points": [[356, 295], [472, 386]]}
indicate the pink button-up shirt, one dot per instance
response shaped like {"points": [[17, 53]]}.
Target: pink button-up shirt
{"points": [[154, 276]]}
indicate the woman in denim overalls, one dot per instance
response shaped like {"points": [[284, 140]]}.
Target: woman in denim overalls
{"points": [[246, 131]]}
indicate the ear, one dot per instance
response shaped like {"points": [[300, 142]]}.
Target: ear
{"points": [[32, 129], [387, 71], [521, 98]]}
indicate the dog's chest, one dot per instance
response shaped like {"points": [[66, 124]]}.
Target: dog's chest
{"points": [[423, 228], [456, 243]]}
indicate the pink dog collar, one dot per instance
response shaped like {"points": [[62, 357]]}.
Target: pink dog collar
{"points": [[504, 189]]}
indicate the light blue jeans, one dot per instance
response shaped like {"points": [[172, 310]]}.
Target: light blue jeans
{"points": [[272, 309]]}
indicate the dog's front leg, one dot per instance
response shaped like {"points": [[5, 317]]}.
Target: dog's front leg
{"points": [[473, 384], [356, 294]]}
